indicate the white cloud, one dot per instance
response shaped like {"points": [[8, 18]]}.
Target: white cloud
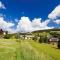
{"points": [[38, 25], [2, 6], [36, 22], [26, 25], [57, 21], [55, 13], [45, 23], [6, 26]]}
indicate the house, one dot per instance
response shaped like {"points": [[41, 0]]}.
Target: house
{"points": [[2, 33], [53, 40], [25, 36]]}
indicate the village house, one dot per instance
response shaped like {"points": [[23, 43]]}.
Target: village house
{"points": [[2, 33], [25, 36], [53, 40]]}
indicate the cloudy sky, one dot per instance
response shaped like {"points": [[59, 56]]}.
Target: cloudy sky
{"points": [[29, 15]]}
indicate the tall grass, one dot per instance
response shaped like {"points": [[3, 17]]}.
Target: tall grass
{"points": [[26, 52], [47, 49], [10, 49]]}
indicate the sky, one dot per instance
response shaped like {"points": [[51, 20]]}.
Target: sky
{"points": [[29, 15]]}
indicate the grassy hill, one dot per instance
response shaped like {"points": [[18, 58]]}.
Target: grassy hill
{"points": [[47, 30], [10, 49]]}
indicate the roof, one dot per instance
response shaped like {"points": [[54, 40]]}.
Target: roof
{"points": [[53, 39]]}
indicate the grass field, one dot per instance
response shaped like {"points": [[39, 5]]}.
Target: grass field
{"points": [[10, 49]]}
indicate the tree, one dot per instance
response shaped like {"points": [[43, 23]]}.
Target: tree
{"points": [[59, 44], [34, 38], [7, 36]]}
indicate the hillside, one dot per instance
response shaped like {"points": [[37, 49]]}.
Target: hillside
{"points": [[47, 30]]}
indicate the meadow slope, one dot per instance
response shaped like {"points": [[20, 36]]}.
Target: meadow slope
{"points": [[10, 49]]}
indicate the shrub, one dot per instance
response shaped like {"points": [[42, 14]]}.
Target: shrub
{"points": [[43, 39], [34, 38], [7, 36]]}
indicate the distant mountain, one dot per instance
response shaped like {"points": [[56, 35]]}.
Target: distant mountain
{"points": [[47, 30]]}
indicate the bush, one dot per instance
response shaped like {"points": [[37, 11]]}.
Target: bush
{"points": [[7, 36], [34, 38], [40, 40], [43, 39]]}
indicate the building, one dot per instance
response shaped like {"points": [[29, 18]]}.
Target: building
{"points": [[25, 36], [2, 33], [53, 40]]}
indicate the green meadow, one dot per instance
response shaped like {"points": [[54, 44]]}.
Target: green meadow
{"points": [[12, 49]]}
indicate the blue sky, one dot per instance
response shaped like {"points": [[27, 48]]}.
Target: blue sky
{"points": [[30, 8], [13, 11]]}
